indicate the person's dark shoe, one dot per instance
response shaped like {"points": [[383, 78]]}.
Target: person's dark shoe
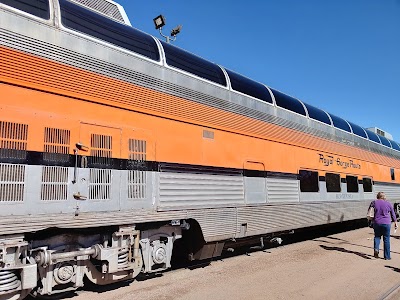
{"points": [[376, 254]]}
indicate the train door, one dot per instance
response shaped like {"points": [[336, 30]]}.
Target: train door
{"points": [[96, 173], [138, 177], [255, 182]]}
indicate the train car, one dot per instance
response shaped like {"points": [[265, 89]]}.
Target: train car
{"points": [[118, 150]]}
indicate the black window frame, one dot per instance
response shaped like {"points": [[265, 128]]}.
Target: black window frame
{"points": [[193, 64], [317, 114], [340, 123], [88, 22], [309, 181], [392, 174], [292, 104], [40, 10], [367, 184], [244, 85], [333, 183], [358, 130], [352, 184]]}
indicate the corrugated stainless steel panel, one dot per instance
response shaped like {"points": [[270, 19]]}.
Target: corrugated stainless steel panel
{"points": [[107, 8], [216, 224], [392, 192], [271, 218], [282, 190], [179, 190], [29, 223]]}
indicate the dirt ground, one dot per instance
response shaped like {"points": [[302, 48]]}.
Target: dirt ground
{"points": [[338, 266]]}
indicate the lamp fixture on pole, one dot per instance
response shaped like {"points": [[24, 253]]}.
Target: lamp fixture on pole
{"points": [[159, 23]]}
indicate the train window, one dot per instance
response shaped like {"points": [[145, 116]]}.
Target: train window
{"points": [[385, 141], [358, 130], [193, 64], [367, 184], [373, 136], [38, 8], [352, 184], [308, 181], [395, 145], [332, 182], [76, 17], [288, 102], [249, 87], [340, 123], [392, 174], [317, 114]]}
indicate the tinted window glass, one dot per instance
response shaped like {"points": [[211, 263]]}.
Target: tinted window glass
{"points": [[373, 136], [385, 141], [308, 181], [340, 123], [86, 21], [317, 114], [191, 63], [358, 130], [288, 102], [395, 145], [332, 182], [352, 184], [249, 87], [367, 184], [38, 8], [392, 174]]}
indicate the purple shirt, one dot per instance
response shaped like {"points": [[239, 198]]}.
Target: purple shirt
{"points": [[384, 212]]}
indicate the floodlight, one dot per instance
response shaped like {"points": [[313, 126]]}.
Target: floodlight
{"points": [[159, 21], [176, 30]]}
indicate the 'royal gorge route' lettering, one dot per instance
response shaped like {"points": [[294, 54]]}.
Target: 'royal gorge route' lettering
{"points": [[328, 160]]}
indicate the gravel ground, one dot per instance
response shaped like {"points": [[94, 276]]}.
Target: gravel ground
{"points": [[337, 266]]}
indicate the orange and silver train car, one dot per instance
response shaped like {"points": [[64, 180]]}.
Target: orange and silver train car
{"points": [[117, 148]]}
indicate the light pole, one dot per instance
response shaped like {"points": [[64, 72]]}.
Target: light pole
{"points": [[159, 22]]}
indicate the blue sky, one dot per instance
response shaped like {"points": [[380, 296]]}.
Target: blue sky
{"points": [[342, 56]]}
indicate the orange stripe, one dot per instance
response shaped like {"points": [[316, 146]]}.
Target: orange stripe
{"points": [[27, 70]]}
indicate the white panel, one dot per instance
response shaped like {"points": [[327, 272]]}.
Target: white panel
{"points": [[255, 190]]}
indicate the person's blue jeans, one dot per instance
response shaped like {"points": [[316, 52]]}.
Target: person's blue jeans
{"points": [[382, 230]]}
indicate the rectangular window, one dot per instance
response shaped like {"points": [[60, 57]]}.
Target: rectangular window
{"points": [[308, 181], [38, 8], [332, 183], [392, 174], [352, 184], [367, 184]]}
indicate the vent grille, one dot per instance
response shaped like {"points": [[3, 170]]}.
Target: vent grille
{"points": [[136, 185], [137, 179], [101, 149], [137, 150], [56, 144], [54, 183], [12, 178], [13, 140], [99, 184], [101, 6]]}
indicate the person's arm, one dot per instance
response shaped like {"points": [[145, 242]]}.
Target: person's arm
{"points": [[394, 218]]}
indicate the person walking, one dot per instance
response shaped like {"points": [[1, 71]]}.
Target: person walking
{"points": [[383, 217]]}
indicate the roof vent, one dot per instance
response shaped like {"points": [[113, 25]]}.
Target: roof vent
{"points": [[106, 7], [381, 132]]}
